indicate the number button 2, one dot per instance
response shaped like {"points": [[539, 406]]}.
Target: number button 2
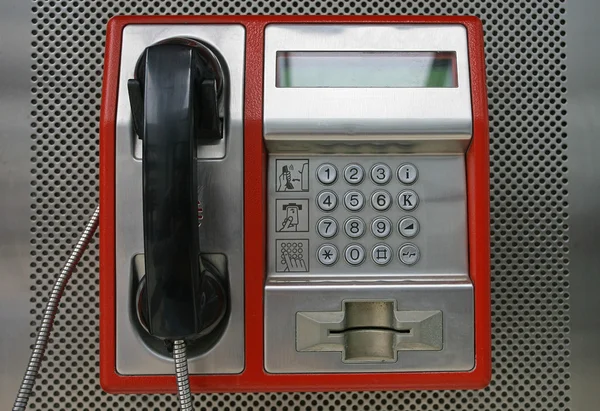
{"points": [[327, 200], [327, 227], [381, 200], [354, 174]]}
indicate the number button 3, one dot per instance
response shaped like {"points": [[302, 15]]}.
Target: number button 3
{"points": [[381, 174], [327, 227], [327, 200]]}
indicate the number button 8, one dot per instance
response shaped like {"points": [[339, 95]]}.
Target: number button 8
{"points": [[354, 227]]}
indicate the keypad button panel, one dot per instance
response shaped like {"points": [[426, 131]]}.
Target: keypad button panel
{"points": [[361, 200]]}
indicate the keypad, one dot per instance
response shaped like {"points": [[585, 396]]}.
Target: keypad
{"points": [[367, 213]]}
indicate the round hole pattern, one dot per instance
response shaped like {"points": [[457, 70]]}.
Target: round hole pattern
{"points": [[525, 59]]}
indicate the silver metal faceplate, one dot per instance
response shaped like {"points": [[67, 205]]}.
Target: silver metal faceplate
{"points": [[220, 193], [367, 120], [297, 280]]}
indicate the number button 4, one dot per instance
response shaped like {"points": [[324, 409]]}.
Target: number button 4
{"points": [[327, 227], [327, 200]]}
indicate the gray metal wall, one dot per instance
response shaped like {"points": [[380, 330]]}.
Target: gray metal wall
{"points": [[545, 334]]}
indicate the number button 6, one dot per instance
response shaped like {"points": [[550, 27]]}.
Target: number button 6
{"points": [[381, 200]]}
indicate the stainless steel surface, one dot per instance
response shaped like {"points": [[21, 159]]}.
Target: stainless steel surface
{"points": [[367, 120], [442, 211], [369, 331], [453, 297], [17, 289], [545, 357], [584, 201], [220, 196]]}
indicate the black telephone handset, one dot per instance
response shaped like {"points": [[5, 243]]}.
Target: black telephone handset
{"points": [[174, 102]]}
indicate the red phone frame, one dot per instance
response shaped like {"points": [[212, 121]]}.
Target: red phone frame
{"points": [[254, 377]]}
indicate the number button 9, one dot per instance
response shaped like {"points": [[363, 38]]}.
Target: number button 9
{"points": [[327, 227], [381, 200], [381, 174], [354, 174], [381, 227], [354, 227], [326, 173], [327, 200]]}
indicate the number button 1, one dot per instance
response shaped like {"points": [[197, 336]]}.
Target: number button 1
{"points": [[354, 174], [354, 227], [381, 174], [327, 200], [381, 200], [326, 173], [381, 227], [327, 227]]}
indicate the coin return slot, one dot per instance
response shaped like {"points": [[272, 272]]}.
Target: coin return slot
{"points": [[369, 331]]}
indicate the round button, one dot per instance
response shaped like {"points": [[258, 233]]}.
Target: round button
{"points": [[327, 227], [381, 173], [354, 254], [326, 173], [381, 227], [327, 254], [354, 227], [327, 200], [407, 173], [408, 200], [409, 254], [381, 254], [354, 174], [354, 200], [408, 227], [381, 200]]}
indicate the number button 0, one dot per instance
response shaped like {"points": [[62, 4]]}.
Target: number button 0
{"points": [[381, 200], [326, 173], [354, 227], [354, 174], [327, 200], [354, 200], [381, 227], [381, 174], [407, 173], [354, 254], [327, 227]]}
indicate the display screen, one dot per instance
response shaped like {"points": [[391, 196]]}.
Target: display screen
{"points": [[356, 69]]}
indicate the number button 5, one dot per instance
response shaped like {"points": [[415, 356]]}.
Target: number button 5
{"points": [[327, 227], [354, 200]]}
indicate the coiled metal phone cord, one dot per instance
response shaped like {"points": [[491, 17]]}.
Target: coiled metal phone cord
{"points": [[181, 372], [41, 340]]}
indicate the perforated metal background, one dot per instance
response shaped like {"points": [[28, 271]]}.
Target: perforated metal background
{"points": [[525, 49]]}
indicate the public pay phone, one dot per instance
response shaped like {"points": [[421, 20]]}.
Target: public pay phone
{"points": [[303, 200]]}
